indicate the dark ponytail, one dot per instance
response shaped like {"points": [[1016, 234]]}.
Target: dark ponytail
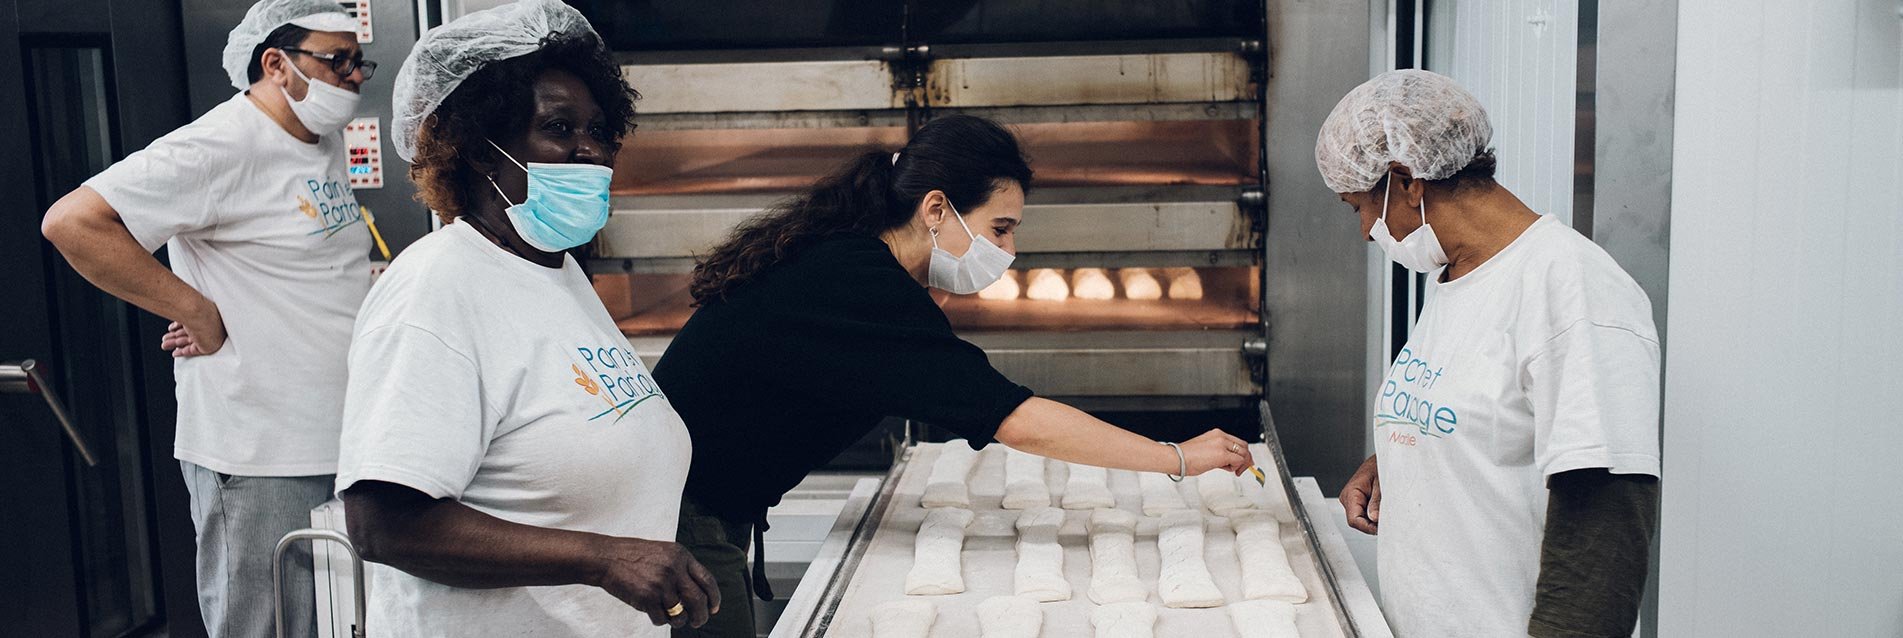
{"points": [[968, 158]]}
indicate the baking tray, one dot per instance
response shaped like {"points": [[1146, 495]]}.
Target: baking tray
{"points": [[878, 552]]}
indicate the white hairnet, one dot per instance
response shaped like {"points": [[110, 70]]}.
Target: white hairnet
{"points": [[1418, 119], [265, 17], [451, 53]]}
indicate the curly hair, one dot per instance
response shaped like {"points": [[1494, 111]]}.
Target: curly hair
{"points": [[968, 158], [496, 102]]}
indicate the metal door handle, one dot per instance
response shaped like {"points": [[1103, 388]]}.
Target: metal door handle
{"points": [[24, 378], [314, 535]]}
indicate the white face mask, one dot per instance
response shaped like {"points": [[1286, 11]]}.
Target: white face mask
{"points": [[1420, 251], [325, 108], [982, 265]]}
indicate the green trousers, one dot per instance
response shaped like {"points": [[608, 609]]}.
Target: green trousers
{"points": [[721, 547]]}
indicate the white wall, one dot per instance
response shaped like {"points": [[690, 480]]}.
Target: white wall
{"points": [[1518, 57], [1784, 372]]}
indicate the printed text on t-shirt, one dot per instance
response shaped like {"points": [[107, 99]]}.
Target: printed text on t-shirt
{"points": [[332, 204], [1403, 400], [614, 376]]}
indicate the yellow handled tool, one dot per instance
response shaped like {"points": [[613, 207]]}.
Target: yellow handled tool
{"points": [[371, 221]]}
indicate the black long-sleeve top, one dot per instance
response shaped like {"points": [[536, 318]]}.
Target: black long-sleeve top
{"points": [[796, 364]]}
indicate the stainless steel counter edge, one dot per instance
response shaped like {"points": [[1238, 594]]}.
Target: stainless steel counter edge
{"points": [[1357, 599], [810, 612], [825, 565], [854, 528]]}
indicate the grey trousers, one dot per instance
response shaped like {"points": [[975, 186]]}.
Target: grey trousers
{"points": [[239, 520]]}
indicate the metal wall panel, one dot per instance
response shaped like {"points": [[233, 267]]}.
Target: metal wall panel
{"points": [[1519, 58], [1175, 226], [1315, 269], [839, 85], [1103, 79], [1123, 364], [1125, 227]]}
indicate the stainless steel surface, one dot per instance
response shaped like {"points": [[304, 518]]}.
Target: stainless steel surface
{"points": [[1632, 158], [1632, 164], [314, 536], [832, 85], [1125, 364], [1353, 608], [815, 622], [24, 378], [1357, 596], [867, 85], [825, 566], [1215, 151], [1097, 79], [636, 232], [1272, 440], [1315, 268]]}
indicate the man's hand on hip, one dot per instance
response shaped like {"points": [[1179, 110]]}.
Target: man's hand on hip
{"points": [[200, 338]]}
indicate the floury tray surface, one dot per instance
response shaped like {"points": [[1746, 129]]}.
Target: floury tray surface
{"points": [[990, 555]]}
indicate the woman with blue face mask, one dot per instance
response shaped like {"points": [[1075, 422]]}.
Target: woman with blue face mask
{"points": [[1514, 485], [507, 465], [816, 320]]}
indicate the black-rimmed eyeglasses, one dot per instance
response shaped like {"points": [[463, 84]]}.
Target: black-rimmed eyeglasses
{"points": [[343, 66]]}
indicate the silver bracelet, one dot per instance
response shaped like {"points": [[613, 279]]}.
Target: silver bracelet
{"points": [[1182, 464]]}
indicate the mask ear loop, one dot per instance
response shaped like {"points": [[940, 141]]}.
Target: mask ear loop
{"points": [[511, 158], [1385, 192], [961, 220]]}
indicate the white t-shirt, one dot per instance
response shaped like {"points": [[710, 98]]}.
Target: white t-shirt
{"points": [[265, 226], [1542, 360], [479, 376]]}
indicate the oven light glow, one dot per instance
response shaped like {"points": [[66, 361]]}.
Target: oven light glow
{"points": [[1091, 283], [1185, 284], [1140, 285], [1004, 289], [1047, 284]]}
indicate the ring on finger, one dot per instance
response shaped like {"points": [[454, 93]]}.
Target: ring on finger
{"points": [[676, 610]]}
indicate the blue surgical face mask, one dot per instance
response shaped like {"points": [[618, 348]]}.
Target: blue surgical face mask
{"points": [[566, 204]]}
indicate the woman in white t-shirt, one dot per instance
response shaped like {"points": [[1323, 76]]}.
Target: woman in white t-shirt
{"points": [[1514, 485], [508, 465]]}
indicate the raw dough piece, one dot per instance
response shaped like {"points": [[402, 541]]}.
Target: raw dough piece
{"points": [[1140, 285], [1045, 284], [1113, 558], [936, 565], [1265, 570], [904, 619], [1185, 581], [1088, 488], [1220, 493], [1040, 572], [1264, 619], [1009, 617], [947, 486], [1091, 283], [1159, 494], [1124, 620], [1004, 289], [1185, 284], [1024, 486]]}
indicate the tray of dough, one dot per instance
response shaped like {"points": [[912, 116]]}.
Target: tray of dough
{"points": [[1007, 579]]}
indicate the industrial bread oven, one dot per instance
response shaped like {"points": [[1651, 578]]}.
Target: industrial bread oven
{"points": [[1138, 288]]}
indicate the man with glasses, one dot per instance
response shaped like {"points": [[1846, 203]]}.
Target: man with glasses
{"points": [[269, 262]]}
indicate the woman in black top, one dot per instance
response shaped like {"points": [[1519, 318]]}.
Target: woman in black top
{"points": [[815, 323]]}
